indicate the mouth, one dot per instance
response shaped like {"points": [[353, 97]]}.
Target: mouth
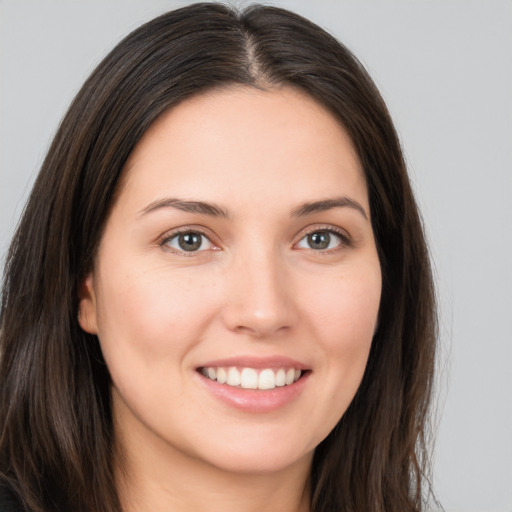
{"points": [[252, 378], [255, 385]]}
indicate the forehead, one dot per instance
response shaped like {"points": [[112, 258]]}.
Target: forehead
{"points": [[223, 142]]}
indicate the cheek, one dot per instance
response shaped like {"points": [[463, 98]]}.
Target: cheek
{"points": [[345, 319], [151, 315], [148, 324], [342, 317], [347, 307]]}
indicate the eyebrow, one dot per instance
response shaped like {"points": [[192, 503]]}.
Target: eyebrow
{"points": [[328, 204], [199, 207], [213, 210]]}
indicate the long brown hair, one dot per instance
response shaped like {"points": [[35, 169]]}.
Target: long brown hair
{"points": [[55, 414]]}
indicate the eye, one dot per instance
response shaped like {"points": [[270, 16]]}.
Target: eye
{"points": [[322, 240], [188, 241]]}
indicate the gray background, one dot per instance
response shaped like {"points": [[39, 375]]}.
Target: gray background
{"points": [[445, 70]]}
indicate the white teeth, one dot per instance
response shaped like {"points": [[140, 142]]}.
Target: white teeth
{"points": [[267, 380], [222, 376], [280, 377], [249, 378], [233, 377]]}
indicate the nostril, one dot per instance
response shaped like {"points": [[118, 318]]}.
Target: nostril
{"points": [[261, 329]]}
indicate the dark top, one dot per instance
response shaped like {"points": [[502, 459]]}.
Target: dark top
{"points": [[8, 501]]}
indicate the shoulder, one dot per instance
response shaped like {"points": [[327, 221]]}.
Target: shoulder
{"points": [[8, 500]]}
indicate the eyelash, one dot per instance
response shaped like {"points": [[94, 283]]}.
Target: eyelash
{"points": [[344, 239], [167, 238]]}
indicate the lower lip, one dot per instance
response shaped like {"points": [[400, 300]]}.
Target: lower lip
{"points": [[254, 400]]}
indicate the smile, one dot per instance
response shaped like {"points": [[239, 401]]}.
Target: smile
{"points": [[251, 378]]}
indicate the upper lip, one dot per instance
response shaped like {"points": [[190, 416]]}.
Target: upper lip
{"points": [[255, 362]]}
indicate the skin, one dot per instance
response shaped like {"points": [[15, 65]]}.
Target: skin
{"points": [[255, 288]]}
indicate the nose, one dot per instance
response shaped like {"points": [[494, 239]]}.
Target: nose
{"points": [[260, 299]]}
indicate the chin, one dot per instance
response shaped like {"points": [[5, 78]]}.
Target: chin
{"points": [[271, 461], [260, 455]]}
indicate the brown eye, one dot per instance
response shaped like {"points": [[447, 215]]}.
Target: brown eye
{"points": [[321, 240], [190, 241]]}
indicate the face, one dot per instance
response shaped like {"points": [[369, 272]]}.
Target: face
{"points": [[236, 287]]}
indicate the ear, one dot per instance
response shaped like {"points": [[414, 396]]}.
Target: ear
{"points": [[87, 306]]}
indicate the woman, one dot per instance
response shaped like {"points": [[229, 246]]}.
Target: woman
{"points": [[219, 295]]}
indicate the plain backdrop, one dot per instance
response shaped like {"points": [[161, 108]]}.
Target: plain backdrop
{"points": [[445, 69]]}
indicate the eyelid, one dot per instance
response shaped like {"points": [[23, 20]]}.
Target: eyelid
{"points": [[169, 235], [162, 240], [342, 234]]}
